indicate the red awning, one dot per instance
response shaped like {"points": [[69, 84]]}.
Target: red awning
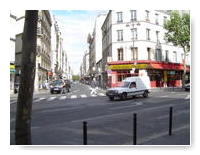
{"points": [[169, 66]]}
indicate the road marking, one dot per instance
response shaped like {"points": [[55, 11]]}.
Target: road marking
{"points": [[51, 98], [178, 113], [83, 96], [101, 94], [163, 96], [188, 97], [135, 104], [39, 99], [93, 95], [73, 96], [63, 97]]}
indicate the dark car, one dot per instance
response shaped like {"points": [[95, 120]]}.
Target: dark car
{"points": [[187, 87], [56, 86]]}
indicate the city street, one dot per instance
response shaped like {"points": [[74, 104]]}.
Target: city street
{"points": [[58, 119]]}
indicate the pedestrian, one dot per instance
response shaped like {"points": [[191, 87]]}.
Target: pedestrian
{"points": [[63, 88], [94, 88]]}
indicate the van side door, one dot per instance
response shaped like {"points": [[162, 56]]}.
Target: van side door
{"points": [[132, 88]]}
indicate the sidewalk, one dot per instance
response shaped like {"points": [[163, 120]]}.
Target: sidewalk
{"points": [[180, 136], [35, 92]]}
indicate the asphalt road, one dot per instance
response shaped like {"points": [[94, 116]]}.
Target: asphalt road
{"points": [[58, 119]]}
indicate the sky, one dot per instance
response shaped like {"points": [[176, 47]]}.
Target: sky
{"points": [[75, 25]]}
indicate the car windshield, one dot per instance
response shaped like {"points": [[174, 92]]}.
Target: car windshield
{"points": [[123, 84], [57, 82]]}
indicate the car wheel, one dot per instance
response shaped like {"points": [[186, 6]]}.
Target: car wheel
{"points": [[145, 94], [111, 98], [123, 96], [52, 92]]}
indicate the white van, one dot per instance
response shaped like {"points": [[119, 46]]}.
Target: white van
{"points": [[130, 86]]}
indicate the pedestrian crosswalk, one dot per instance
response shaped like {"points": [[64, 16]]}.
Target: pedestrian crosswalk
{"points": [[60, 97]]}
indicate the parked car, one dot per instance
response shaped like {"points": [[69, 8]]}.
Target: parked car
{"points": [[131, 86], [56, 86], [187, 87]]}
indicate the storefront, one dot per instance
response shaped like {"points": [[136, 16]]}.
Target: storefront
{"points": [[161, 74], [12, 76]]}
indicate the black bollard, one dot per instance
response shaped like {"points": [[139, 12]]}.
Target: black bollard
{"points": [[134, 129], [84, 133], [170, 120]]}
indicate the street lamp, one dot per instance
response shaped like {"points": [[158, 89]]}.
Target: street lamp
{"points": [[132, 24]]}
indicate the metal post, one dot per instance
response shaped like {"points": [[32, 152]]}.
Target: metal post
{"points": [[134, 129], [84, 133], [170, 120]]}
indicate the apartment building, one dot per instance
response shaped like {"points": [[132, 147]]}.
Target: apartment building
{"points": [[12, 50], [133, 45], [43, 60], [95, 49]]}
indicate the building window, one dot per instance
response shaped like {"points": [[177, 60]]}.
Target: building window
{"points": [[133, 15], [156, 19], [134, 53], [182, 57], [149, 53], [167, 56], [134, 32], [148, 34], [157, 35], [120, 54], [174, 56], [119, 17], [147, 15], [119, 35], [158, 54]]}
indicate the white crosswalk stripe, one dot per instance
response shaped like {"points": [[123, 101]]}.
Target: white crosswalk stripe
{"points": [[83, 96], [73, 96], [101, 94], [188, 97], [63, 97], [39, 99], [93, 95], [51, 98]]}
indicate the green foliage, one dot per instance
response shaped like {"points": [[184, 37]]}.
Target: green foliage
{"points": [[75, 77], [178, 30]]}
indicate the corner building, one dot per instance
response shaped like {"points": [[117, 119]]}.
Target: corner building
{"points": [[133, 45]]}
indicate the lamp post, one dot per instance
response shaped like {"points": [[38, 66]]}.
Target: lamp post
{"points": [[132, 24]]}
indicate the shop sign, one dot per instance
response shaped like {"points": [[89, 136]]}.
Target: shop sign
{"points": [[12, 69], [129, 66]]}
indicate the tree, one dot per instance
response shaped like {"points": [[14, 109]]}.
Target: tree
{"points": [[178, 33], [25, 95], [75, 77]]}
